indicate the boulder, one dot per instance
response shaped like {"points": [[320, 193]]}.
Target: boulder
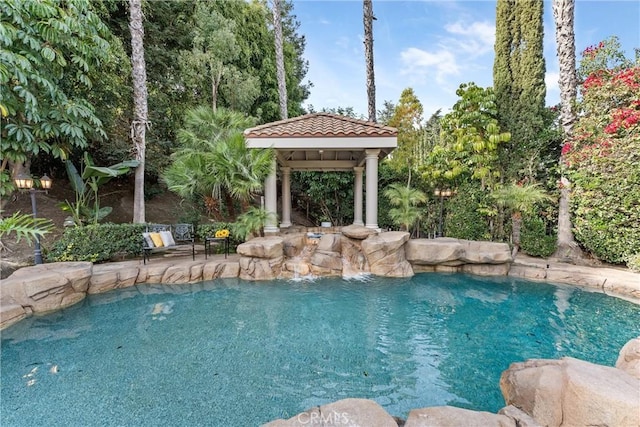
{"points": [[521, 418], [442, 250], [293, 243], [385, 254], [262, 247], [11, 313], [358, 232], [329, 243], [454, 252], [326, 263], [629, 358], [572, 392], [450, 416], [353, 260], [346, 412], [50, 287], [217, 269], [260, 268]]}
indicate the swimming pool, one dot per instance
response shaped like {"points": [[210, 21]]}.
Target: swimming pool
{"points": [[230, 352]]}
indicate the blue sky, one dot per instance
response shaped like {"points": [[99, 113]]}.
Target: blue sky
{"points": [[432, 46]]}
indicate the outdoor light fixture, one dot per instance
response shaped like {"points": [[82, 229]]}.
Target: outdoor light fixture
{"points": [[25, 182]]}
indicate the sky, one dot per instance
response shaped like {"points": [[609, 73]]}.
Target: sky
{"points": [[432, 46]]}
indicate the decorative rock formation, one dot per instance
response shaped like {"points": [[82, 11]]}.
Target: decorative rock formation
{"points": [[385, 254], [452, 416], [327, 258], [446, 254], [572, 392], [629, 358], [346, 412], [353, 260], [46, 287], [358, 232], [261, 258]]}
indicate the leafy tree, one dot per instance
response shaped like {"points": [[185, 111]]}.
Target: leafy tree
{"points": [[385, 115], [328, 196], [407, 118], [519, 199], [601, 158], [469, 139], [406, 200], [518, 76], [48, 50]]}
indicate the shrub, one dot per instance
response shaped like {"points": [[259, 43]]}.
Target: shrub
{"points": [[204, 230], [464, 218], [97, 243], [633, 262], [534, 240]]}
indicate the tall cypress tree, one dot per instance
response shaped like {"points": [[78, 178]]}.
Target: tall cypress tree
{"points": [[518, 75]]}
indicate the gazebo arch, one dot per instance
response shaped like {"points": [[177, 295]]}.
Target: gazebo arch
{"points": [[324, 142]]}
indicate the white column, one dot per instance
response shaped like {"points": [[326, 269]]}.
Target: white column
{"points": [[286, 197], [372, 188], [357, 196], [271, 201]]}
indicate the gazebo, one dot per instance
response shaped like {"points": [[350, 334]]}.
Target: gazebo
{"points": [[324, 142]]}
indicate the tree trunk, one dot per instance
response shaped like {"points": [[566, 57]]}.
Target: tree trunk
{"points": [[516, 226], [563, 13], [282, 82], [139, 124], [368, 55]]}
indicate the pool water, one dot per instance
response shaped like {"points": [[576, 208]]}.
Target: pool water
{"points": [[230, 352]]}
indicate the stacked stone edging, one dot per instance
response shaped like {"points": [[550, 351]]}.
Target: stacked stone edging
{"points": [[49, 287]]}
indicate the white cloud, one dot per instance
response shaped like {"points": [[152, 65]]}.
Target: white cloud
{"points": [[476, 38], [553, 90], [419, 64]]}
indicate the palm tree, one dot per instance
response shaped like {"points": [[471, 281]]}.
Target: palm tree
{"points": [[563, 13], [214, 161], [405, 200], [140, 110], [519, 199], [368, 55]]}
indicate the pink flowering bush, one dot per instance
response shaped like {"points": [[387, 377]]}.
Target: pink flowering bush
{"points": [[602, 159]]}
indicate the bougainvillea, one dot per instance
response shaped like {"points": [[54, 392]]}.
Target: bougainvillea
{"points": [[602, 159]]}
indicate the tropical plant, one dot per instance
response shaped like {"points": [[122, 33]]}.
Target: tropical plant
{"points": [[252, 222], [519, 199], [406, 200], [86, 208], [214, 161], [469, 139], [24, 226]]}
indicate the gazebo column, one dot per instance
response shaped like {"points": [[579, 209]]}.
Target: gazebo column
{"points": [[357, 196], [271, 201], [371, 157], [286, 197]]}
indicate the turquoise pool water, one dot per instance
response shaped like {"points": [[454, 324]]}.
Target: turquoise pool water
{"points": [[238, 353]]}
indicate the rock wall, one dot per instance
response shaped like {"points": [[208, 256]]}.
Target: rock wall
{"points": [[49, 287]]}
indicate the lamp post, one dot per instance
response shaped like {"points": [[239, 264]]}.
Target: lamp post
{"points": [[442, 194], [25, 182]]}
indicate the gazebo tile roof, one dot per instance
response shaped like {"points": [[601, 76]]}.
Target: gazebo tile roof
{"points": [[320, 125]]}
